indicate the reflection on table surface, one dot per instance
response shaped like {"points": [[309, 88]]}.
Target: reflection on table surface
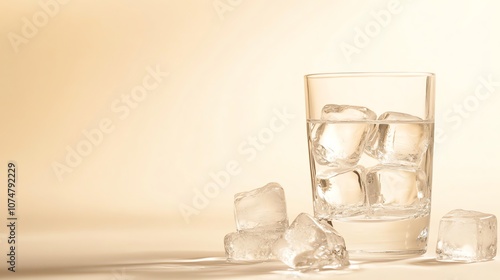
{"points": [[213, 265]]}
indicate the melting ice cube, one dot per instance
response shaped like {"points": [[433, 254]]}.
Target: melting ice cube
{"points": [[261, 209], [340, 193], [467, 236], [392, 189], [339, 140], [311, 244], [402, 140]]}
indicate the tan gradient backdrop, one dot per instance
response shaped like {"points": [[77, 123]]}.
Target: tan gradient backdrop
{"points": [[230, 71]]}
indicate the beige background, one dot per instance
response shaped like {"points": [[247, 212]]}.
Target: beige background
{"points": [[230, 70]]}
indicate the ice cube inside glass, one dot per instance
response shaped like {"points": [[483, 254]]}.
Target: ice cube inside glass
{"points": [[340, 192], [399, 138], [395, 190], [338, 143], [250, 246]]}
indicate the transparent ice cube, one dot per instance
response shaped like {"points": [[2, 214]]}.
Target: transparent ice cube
{"points": [[339, 142], [261, 209], [250, 246], [334, 112], [340, 193], [401, 141], [311, 244], [395, 190], [467, 236]]}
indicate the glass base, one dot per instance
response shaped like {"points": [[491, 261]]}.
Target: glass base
{"points": [[384, 255], [384, 239]]}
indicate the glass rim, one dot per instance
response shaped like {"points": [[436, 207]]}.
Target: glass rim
{"points": [[368, 74]]}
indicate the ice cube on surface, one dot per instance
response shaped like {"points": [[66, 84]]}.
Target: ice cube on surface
{"points": [[402, 141], [250, 246], [340, 193], [396, 187], [261, 209], [339, 140], [311, 244], [467, 236]]}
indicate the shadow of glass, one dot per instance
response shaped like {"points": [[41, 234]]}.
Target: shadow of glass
{"points": [[433, 262]]}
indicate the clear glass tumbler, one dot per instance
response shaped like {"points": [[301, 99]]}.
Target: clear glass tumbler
{"points": [[371, 141]]}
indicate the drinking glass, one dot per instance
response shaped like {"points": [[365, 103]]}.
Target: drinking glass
{"points": [[370, 138]]}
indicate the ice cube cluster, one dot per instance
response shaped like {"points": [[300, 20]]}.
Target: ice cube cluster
{"points": [[369, 166], [467, 236], [263, 234], [261, 219]]}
